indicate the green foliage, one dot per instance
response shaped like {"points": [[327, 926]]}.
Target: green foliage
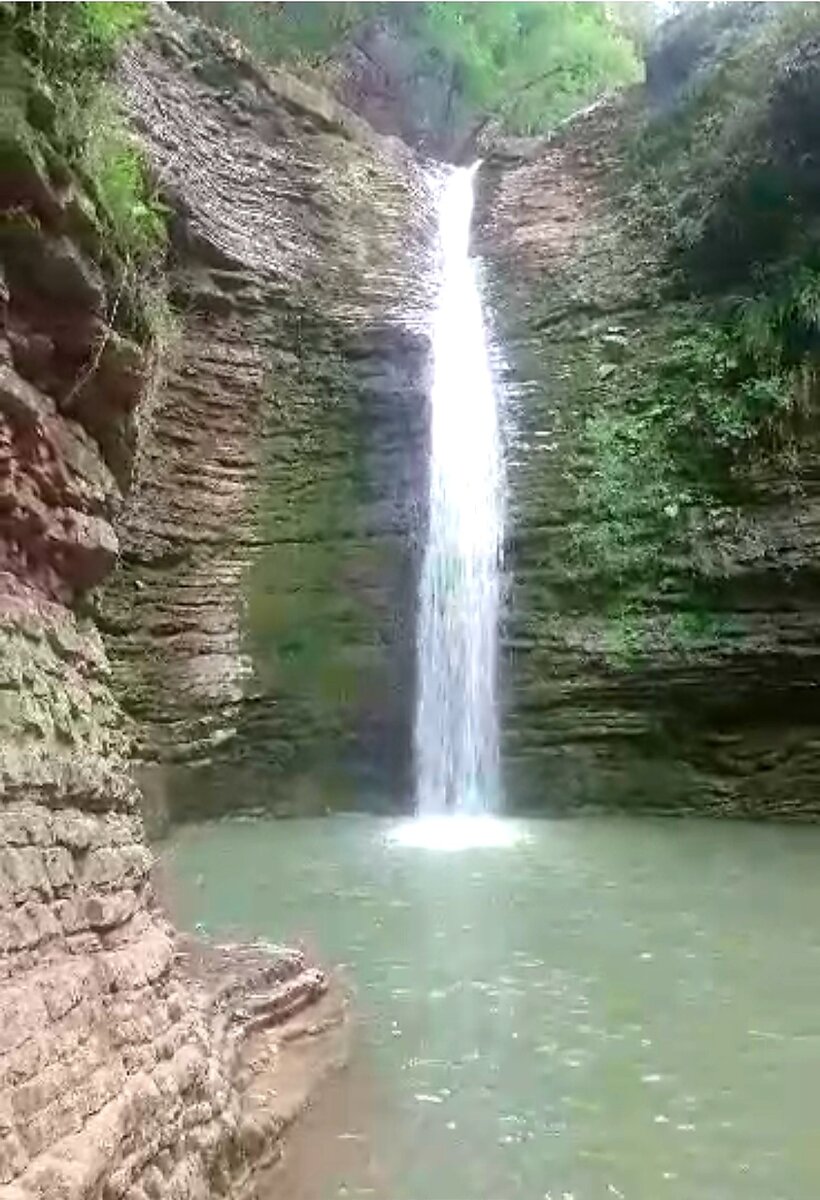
{"points": [[297, 32], [76, 43], [630, 499], [624, 637], [725, 382], [527, 65], [738, 381], [631, 632], [722, 176], [674, 431], [68, 116], [71, 48], [115, 171]]}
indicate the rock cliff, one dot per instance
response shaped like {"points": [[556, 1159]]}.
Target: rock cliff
{"points": [[662, 625], [131, 1063], [260, 485], [263, 617]]}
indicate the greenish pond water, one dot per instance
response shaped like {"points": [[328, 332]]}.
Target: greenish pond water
{"points": [[608, 1008]]}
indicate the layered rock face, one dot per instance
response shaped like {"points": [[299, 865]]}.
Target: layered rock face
{"points": [[129, 1065], [263, 618], [641, 670]]}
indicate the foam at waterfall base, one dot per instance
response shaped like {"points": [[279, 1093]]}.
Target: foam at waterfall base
{"points": [[456, 831]]}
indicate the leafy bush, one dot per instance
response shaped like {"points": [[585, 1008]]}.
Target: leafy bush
{"points": [[115, 171], [665, 446], [68, 115], [70, 48], [75, 44], [725, 380], [526, 65], [735, 382], [726, 176]]}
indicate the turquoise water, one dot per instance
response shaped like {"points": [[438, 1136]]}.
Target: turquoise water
{"points": [[607, 1008]]}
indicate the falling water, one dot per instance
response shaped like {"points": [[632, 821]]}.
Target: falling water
{"points": [[456, 720]]}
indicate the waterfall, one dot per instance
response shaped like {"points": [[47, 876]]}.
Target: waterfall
{"points": [[456, 732]]}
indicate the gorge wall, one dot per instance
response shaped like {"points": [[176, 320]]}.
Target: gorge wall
{"points": [[261, 621], [653, 270], [134, 1064], [263, 618]]}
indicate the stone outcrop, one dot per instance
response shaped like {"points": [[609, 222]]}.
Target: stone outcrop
{"points": [[263, 615], [677, 704], [126, 1068]]}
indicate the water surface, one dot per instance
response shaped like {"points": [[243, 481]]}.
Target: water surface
{"points": [[607, 1008]]}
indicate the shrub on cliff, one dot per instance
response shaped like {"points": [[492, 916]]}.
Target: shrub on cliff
{"points": [[729, 176], [60, 109], [717, 388]]}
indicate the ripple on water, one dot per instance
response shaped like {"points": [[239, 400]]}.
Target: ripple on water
{"points": [[640, 1077]]}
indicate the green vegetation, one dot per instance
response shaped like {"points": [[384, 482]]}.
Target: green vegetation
{"points": [[61, 111], [115, 170], [74, 43], [631, 632], [718, 386], [525, 65], [722, 175], [452, 66], [298, 32], [672, 437]]}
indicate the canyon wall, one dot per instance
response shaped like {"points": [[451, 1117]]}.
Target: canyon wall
{"points": [[660, 643], [660, 625], [133, 1064], [263, 616]]}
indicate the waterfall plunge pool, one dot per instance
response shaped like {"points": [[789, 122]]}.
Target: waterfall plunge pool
{"points": [[597, 1008]]}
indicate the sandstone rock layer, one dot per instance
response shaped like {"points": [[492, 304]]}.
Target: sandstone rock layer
{"points": [[707, 706]]}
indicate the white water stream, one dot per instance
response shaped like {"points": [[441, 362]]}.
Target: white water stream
{"points": [[456, 733]]}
